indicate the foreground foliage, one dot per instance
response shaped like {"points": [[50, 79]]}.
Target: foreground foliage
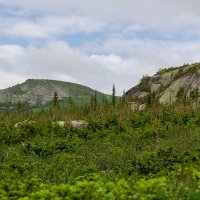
{"points": [[121, 154]]}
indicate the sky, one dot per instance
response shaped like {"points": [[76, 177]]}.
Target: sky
{"points": [[96, 43]]}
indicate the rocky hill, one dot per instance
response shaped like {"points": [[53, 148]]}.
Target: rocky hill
{"points": [[36, 93], [168, 85]]}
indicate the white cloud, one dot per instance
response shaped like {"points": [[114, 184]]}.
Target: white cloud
{"points": [[165, 16], [10, 51], [150, 53], [11, 79], [47, 27]]}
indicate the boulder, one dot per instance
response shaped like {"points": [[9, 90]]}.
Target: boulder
{"points": [[73, 123], [135, 106], [78, 123], [142, 107], [59, 123], [24, 123]]}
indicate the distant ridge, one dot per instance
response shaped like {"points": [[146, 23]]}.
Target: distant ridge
{"points": [[39, 92]]}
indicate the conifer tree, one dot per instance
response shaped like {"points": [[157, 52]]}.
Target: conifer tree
{"points": [[55, 105], [113, 96], [55, 99]]}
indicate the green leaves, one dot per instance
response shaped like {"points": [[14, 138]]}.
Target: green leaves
{"points": [[94, 189], [121, 154]]}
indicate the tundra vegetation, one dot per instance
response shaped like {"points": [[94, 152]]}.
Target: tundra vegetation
{"points": [[120, 154]]}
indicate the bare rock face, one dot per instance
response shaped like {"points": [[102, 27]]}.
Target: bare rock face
{"points": [[170, 94], [167, 78], [136, 93], [155, 87], [166, 84], [134, 105]]}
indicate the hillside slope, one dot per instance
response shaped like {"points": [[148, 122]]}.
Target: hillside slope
{"points": [[167, 85], [36, 93]]}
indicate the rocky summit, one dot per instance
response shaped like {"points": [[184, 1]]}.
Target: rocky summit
{"points": [[40, 92], [168, 85]]}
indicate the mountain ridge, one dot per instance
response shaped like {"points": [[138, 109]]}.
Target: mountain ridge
{"points": [[39, 92]]}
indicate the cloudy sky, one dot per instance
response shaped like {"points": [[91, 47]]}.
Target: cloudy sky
{"points": [[96, 42]]}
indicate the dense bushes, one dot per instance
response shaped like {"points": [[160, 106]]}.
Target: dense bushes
{"points": [[175, 186], [121, 154]]}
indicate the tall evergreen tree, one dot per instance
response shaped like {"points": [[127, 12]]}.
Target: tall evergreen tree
{"points": [[55, 99], [113, 96]]}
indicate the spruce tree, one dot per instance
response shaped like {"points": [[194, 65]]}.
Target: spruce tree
{"points": [[55, 99], [113, 96]]}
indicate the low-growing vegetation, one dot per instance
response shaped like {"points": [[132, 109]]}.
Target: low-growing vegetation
{"points": [[120, 154]]}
